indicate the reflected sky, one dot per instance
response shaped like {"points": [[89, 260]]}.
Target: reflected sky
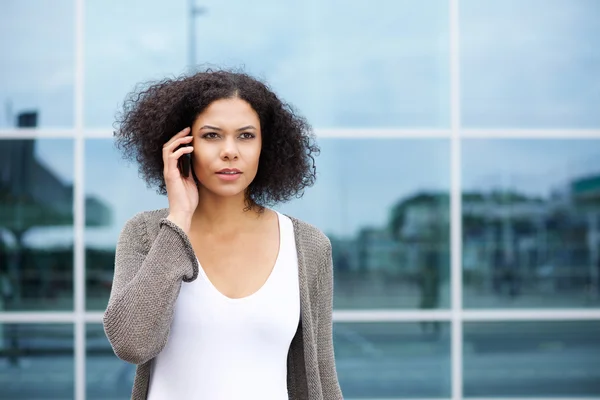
{"points": [[526, 63], [360, 63], [535, 167], [339, 69], [359, 180], [37, 48], [57, 155], [115, 183], [122, 51]]}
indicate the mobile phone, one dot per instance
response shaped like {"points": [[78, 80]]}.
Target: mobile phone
{"points": [[184, 163]]}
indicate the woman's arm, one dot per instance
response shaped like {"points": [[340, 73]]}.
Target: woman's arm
{"points": [[329, 379], [145, 287]]}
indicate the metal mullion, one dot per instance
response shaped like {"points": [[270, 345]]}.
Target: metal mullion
{"points": [[456, 353], [79, 205]]}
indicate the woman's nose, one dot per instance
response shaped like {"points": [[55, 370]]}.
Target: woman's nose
{"points": [[229, 150]]}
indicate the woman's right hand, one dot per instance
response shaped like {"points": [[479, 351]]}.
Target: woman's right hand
{"points": [[182, 192]]}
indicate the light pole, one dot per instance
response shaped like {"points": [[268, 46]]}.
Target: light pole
{"points": [[194, 11]]}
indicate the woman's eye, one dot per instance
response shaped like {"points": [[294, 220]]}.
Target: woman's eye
{"points": [[210, 135], [247, 135]]}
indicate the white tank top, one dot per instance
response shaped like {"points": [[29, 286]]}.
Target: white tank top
{"points": [[223, 348]]}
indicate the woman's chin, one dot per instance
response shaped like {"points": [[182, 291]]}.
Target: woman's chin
{"points": [[225, 193]]}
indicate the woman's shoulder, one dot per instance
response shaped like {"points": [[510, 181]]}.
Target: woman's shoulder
{"points": [[148, 221], [148, 216], [309, 235]]}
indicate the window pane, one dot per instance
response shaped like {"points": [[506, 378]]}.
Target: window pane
{"points": [[36, 361], [530, 63], [394, 73], [37, 43], [115, 193], [393, 360], [386, 212], [107, 377], [121, 51], [531, 223], [36, 224], [532, 359]]}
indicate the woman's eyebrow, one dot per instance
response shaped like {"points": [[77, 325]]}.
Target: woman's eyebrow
{"points": [[244, 128], [211, 127]]}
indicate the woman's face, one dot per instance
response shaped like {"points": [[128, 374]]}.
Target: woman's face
{"points": [[227, 143]]}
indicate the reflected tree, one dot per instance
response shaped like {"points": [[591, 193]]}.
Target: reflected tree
{"points": [[420, 224]]}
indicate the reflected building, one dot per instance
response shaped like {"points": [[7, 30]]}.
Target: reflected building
{"points": [[33, 196], [503, 235], [585, 194], [515, 244], [421, 226], [377, 251]]}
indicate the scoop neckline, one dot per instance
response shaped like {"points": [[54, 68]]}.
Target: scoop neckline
{"points": [[263, 286]]}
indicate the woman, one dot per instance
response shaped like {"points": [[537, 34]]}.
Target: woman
{"points": [[219, 296]]}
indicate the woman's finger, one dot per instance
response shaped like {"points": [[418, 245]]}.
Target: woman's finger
{"points": [[168, 150], [172, 158], [178, 143], [178, 153]]}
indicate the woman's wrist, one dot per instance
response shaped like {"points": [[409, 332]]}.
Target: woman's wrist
{"points": [[182, 221]]}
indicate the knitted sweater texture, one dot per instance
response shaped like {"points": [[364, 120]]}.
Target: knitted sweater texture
{"points": [[154, 257]]}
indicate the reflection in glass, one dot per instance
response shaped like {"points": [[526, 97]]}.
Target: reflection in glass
{"points": [[530, 63], [392, 360], [107, 377], [395, 73], [36, 361], [118, 194], [531, 223], [38, 61], [384, 205], [532, 359], [36, 224], [155, 48]]}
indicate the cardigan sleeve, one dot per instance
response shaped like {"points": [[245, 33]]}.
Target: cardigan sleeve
{"points": [[327, 369], [146, 283]]}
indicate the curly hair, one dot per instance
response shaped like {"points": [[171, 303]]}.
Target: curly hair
{"points": [[155, 111]]}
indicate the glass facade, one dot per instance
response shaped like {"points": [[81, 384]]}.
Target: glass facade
{"points": [[393, 360], [37, 361], [38, 62], [529, 64], [389, 227], [532, 359], [107, 377], [530, 225], [36, 221], [458, 181]]}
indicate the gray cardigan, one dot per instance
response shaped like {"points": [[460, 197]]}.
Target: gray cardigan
{"points": [[154, 256]]}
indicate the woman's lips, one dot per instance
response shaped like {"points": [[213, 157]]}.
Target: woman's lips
{"points": [[229, 175]]}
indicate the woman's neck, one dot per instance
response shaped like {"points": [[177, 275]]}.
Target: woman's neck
{"points": [[223, 215]]}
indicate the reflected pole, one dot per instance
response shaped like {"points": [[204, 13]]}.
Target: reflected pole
{"points": [[593, 234], [193, 12]]}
